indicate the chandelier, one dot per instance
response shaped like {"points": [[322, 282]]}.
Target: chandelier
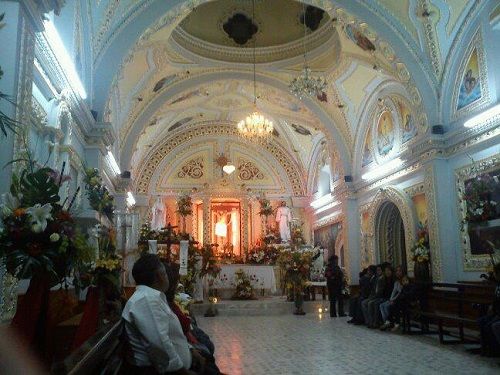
{"points": [[255, 126], [306, 84]]}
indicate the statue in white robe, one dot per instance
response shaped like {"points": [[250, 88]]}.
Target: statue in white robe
{"points": [[283, 218], [158, 218]]}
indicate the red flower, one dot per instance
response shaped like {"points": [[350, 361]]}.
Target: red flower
{"points": [[34, 249]]}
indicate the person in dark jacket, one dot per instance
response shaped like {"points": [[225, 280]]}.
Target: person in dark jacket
{"points": [[335, 282], [364, 291]]}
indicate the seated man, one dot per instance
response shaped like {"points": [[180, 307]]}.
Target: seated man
{"points": [[155, 336]]}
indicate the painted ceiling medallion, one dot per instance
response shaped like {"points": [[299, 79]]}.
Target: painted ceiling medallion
{"points": [[240, 28]]}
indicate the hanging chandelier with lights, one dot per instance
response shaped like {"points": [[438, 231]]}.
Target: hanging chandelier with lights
{"points": [[255, 126], [306, 84]]}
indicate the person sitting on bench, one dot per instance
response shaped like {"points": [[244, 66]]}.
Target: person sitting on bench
{"points": [[154, 334]]}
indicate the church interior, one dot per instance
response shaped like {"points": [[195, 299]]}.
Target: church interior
{"points": [[293, 166]]}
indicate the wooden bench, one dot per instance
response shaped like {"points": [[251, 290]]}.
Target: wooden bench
{"points": [[101, 354], [450, 306]]}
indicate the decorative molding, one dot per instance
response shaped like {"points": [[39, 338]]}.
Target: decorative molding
{"points": [[431, 38], [237, 54], [433, 224], [192, 169], [472, 262], [416, 189], [249, 171]]}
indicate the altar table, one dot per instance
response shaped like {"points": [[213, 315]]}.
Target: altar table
{"points": [[264, 275]]}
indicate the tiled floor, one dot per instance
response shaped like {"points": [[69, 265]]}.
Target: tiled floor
{"points": [[309, 345]]}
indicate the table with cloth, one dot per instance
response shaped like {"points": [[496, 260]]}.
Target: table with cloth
{"points": [[264, 275]]}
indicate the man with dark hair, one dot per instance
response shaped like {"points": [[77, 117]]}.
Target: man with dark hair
{"points": [[154, 333]]}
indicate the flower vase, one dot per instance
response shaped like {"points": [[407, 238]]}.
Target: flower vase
{"points": [[421, 272], [298, 299]]}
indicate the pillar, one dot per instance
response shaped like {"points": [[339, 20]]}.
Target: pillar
{"points": [[352, 232]]}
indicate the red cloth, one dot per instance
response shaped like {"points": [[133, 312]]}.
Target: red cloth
{"points": [[88, 324], [30, 319], [185, 323]]}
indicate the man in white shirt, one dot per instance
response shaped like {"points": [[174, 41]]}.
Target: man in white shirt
{"points": [[153, 330]]}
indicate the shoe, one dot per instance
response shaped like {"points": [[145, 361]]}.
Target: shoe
{"points": [[385, 326]]}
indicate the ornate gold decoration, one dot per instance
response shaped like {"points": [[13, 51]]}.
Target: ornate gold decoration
{"points": [[249, 171], [433, 224], [193, 169], [210, 129]]}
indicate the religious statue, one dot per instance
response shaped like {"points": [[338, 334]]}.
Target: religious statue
{"points": [[158, 218], [283, 218]]}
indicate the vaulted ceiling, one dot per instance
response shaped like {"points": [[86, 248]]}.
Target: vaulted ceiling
{"points": [[163, 65]]}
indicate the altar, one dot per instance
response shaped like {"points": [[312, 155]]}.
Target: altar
{"points": [[263, 277]]}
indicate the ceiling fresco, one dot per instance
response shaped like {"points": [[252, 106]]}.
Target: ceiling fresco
{"points": [[160, 85]]}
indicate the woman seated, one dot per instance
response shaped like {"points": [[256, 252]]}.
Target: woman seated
{"points": [[386, 308], [196, 337]]}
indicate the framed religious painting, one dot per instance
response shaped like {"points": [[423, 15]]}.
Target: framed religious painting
{"points": [[478, 186], [471, 85]]}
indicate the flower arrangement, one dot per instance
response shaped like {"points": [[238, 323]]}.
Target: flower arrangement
{"points": [[243, 285], [477, 195], [98, 195], [38, 234], [296, 266], [265, 207], [209, 266], [420, 251], [184, 205], [107, 268], [263, 255]]}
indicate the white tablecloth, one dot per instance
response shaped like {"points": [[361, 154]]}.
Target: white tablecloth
{"points": [[264, 276]]}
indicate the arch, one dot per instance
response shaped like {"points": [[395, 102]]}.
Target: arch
{"points": [[389, 225], [403, 204], [386, 90], [210, 129], [329, 128], [154, 14]]}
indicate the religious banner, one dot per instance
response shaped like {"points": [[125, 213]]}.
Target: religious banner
{"points": [[183, 257]]}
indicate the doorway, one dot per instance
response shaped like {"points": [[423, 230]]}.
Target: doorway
{"points": [[390, 236]]}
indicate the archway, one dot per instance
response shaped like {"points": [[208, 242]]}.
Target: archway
{"points": [[390, 235]]}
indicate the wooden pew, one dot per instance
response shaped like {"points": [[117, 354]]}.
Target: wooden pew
{"points": [[101, 354], [451, 306]]}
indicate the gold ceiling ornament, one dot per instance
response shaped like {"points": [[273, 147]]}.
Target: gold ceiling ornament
{"points": [[255, 126], [306, 84]]}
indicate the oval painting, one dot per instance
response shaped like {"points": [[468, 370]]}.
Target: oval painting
{"points": [[385, 133]]}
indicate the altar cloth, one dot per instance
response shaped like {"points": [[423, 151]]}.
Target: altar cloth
{"points": [[264, 275]]}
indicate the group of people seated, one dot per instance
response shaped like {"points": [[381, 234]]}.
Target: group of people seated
{"points": [[160, 337], [384, 295]]}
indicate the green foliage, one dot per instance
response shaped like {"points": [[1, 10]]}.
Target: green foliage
{"points": [[35, 187]]}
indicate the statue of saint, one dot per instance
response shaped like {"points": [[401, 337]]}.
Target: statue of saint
{"points": [[158, 218], [283, 218]]}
